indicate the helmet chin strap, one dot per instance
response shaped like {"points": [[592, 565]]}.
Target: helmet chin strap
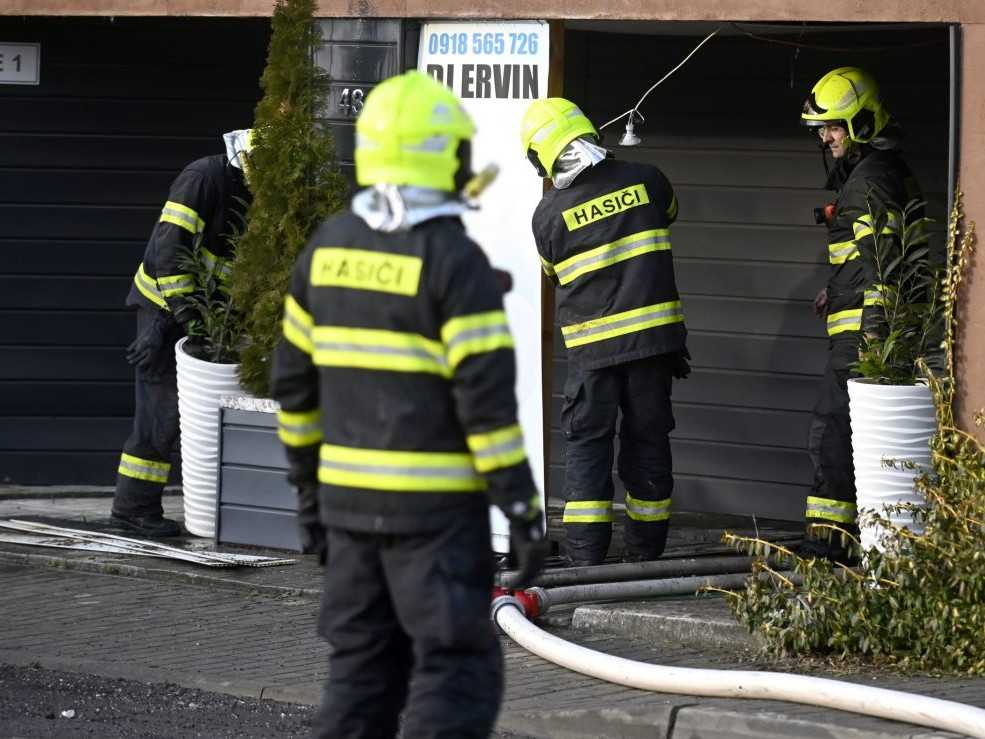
{"points": [[824, 158]]}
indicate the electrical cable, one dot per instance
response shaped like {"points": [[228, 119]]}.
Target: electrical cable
{"points": [[858, 49], [635, 109]]}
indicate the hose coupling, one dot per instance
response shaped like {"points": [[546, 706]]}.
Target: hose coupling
{"points": [[528, 602]]}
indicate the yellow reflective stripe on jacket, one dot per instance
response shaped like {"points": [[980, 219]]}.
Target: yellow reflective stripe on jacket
{"points": [[477, 333], [842, 251], [297, 325], [494, 450], [647, 510], [299, 428], [148, 288], [587, 511], [604, 206], [875, 295], [644, 242], [830, 509], [377, 349], [862, 226], [548, 267], [845, 320], [172, 285], [378, 469], [672, 208], [221, 265], [618, 324], [182, 215], [143, 469]]}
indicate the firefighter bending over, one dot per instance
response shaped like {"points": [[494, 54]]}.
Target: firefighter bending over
{"points": [[396, 382], [603, 233], [205, 203], [855, 128]]}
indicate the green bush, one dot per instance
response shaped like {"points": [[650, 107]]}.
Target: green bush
{"points": [[909, 314], [920, 604], [295, 182], [216, 332]]}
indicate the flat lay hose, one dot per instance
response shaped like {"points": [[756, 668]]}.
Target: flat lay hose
{"points": [[511, 611]]}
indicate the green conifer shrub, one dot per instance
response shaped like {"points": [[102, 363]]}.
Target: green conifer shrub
{"points": [[295, 182]]}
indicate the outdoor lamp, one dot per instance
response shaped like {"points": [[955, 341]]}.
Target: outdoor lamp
{"points": [[629, 137]]}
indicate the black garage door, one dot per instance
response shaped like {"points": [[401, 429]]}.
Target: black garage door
{"points": [[86, 158], [748, 256]]}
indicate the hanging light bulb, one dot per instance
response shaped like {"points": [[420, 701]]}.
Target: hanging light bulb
{"points": [[629, 137]]}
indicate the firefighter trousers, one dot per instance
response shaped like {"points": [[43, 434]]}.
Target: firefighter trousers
{"points": [[407, 619], [146, 460], [593, 399], [829, 442]]}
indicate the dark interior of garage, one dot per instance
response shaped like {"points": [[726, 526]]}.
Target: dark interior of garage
{"points": [[749, 258]]}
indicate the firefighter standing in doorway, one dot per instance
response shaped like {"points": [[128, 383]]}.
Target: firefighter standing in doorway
{"points": [[396, 383], [202, 207], [603, 234], [856, 129]]}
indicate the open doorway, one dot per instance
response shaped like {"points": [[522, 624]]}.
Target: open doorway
{"points": [[749, 256]]}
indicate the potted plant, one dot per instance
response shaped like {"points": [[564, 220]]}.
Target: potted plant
{"points": [[891, 404], [207, 369]]}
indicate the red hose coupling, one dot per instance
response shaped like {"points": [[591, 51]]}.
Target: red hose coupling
{"points": [[528, 601]]}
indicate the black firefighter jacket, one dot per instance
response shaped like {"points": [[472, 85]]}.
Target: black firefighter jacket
{"points": [[202, 204], [605, 242], [868, 190], [396, 378]]}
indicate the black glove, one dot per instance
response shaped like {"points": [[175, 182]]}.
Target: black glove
{"points": [[146, 348], [313, 540], [679, 368], [528, 543], [821, 303], [505, 280]]}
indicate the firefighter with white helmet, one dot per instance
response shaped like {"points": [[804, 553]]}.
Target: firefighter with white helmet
{"points": [[868, 171], [205, 203], [603, 234], [396, 384]]}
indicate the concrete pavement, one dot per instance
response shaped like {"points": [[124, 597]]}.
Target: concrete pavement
{"points": [[252, 633]]}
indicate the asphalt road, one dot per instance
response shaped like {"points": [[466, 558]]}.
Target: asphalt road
{"points": [[36, 702]]}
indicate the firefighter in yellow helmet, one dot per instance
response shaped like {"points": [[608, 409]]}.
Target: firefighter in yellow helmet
{"points": [[206, 201], [396, 384], [856, 131], [603, 234]]}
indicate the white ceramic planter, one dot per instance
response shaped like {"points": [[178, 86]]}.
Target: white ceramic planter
{"points": [[889, 422], [200, 386]]}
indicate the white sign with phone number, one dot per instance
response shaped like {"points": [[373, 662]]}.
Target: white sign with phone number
{"points": [[497, 69]]}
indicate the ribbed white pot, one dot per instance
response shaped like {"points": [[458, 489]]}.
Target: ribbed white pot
{"points": [[889, 422], [200, 386]]}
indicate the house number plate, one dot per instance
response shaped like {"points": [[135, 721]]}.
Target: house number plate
{"points": [[20, 64]]}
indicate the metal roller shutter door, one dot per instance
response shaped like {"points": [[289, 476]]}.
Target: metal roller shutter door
{"points": [[87, 157]]}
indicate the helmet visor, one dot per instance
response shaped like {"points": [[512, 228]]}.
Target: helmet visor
{"points": [[812, 113]]}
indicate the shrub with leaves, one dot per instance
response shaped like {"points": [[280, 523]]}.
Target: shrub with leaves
{"points": [[215, 334], [295, 183], [909, 319], [920, 604]]}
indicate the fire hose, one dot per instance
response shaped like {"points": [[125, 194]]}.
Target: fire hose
{"points": [[512, 611]]}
